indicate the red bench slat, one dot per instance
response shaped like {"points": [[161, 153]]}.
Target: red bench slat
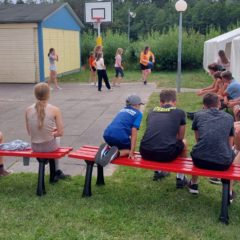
{"points": [[61, 152], [180, 165]]}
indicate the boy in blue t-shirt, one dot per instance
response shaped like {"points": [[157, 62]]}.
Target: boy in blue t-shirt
{"points": [[121, 134]]}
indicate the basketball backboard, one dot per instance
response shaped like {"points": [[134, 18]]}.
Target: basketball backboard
{"points": [[98, 10]]}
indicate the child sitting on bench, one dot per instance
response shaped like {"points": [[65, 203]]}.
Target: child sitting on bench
{"points": [[121, 135], [214, 132], [44, 124], [163, 140]]}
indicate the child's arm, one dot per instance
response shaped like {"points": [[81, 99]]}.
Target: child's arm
{"points": [[133, 142], [181, 132], [196, 135]]}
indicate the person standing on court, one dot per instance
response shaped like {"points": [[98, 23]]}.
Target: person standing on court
{"points": [[53, 70], [101, 72], [118, 68], [147, 59]]}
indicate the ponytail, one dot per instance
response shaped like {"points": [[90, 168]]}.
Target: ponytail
{"points": [[42, 92], [40, 113]]}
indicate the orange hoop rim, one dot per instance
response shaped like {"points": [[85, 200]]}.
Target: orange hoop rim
{"points": [[97, 19]]}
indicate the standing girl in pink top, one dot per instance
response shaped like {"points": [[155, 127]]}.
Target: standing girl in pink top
{"points": [[118, 67]]}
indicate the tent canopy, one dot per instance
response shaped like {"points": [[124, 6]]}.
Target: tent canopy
{"points": [[222, 42]]}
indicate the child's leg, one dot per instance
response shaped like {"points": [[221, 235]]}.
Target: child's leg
{"points": [[124, 152], [99, 72], [50, 78], [94, 77], [55, 79], [105, 78], [183, 154]]}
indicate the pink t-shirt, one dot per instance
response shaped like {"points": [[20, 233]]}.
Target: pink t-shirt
{"points": [[118, 61]]}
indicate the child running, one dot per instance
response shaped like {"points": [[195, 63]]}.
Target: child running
{"points": [[145, 63], [92, 67], [121, 135], [118, 68]]}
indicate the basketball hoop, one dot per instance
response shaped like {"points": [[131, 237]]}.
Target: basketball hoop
{"points": [[97, 21]]}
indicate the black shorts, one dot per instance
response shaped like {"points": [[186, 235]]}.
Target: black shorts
{"points": [[143, 67], [119, 71], [163, 156], [93, 69], [210, 165]]}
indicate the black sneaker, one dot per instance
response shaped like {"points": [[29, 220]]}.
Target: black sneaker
{"points": [[101, 151], [181, 183], [59, 175], [112, 154], [232, 197], [216, 181], [193, 188], [158, 175], [190, 115]]}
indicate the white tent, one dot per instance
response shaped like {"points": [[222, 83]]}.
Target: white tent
{"points": [[235, 58], [222, 42]]}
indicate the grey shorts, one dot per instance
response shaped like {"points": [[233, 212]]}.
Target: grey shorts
{"points": [[46, 146]]}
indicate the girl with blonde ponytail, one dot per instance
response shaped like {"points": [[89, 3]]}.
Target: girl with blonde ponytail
{"points": [[44, 124]]}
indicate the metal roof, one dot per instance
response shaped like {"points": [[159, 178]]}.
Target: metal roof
{"points": [[32, 13]]}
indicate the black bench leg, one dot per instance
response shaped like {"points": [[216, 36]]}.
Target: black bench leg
{"points": [[100, 176], [52, 171], [225, 201], [88, 180], [41, 173]]}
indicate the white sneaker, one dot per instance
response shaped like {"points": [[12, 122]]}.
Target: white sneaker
{"points": [[58, 88]]}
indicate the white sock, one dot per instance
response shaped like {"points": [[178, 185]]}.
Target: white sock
{"points": [[180, 175]]}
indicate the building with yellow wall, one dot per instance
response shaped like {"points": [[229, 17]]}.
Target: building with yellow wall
{"points": [[28, 31]]}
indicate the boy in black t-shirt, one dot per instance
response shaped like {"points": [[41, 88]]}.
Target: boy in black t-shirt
{"points": [[163, 140], [214, 132]]}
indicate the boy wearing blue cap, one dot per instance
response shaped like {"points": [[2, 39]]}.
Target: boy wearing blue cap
{"points": [[121, 134]]}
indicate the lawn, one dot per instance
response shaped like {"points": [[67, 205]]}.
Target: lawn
{"points": [[194, 79], [129, 206]]}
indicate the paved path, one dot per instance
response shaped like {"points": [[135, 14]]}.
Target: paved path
{"points": [[86, 113]]}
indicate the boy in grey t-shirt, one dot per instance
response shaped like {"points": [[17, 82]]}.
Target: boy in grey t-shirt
{"points": [[214, 132]]}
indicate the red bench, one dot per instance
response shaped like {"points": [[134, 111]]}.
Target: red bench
{"points": [[180, 165], [42, 158]]}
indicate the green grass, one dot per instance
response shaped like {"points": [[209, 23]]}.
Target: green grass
{"points": [[129, 206], [194, 79]]}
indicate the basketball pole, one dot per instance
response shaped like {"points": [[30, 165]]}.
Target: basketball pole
{"points": [[99, 38]]}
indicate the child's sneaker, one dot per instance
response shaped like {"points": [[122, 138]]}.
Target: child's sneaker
{"points": [[232, 196], [181, 183], [101, 151], [112, 154], [158, 175], [193, 188], [216, 181], [5, 173]]}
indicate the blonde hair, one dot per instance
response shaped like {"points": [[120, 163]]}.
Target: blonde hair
{"points": [[42, 92], [119, 51]]}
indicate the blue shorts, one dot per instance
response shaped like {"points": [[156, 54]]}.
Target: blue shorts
{"points": [[119, 71], [119, 144]]}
